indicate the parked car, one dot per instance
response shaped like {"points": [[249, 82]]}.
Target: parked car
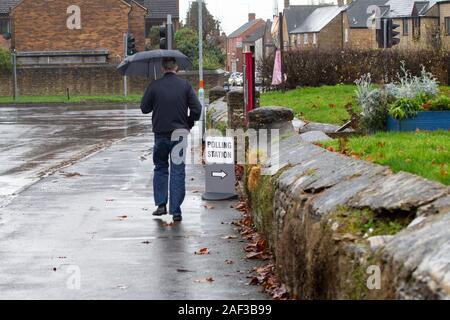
{"points": [[236, 79], [258, 78]]}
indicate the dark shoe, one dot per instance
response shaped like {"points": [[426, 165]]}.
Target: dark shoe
{"points": [[177, 218], [161, 211]]}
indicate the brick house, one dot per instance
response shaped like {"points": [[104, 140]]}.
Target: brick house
{"points": [[322, 29], [235, 42], [5, 22], [423, 24], [356, 21], [44, 30], [293, 17]]}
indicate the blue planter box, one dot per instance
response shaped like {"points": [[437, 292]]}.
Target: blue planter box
{"points": [[425, 120]]}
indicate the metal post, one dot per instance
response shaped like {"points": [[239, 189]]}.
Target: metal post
{"points": [[201, 91], [169, 32], [14, 63], [385, 33], [125, 54]]}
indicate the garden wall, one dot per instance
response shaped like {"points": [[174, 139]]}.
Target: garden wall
{"points": [[86, 80], [333, 221], [315, 68]]}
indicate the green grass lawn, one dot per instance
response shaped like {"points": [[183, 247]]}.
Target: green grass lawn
{"points": [[74, 99], [426, 154], [319, 104]]}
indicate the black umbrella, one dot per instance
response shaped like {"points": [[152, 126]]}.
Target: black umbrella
{"points": [[148, 63]]}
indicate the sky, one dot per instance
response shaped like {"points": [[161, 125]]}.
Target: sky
{"points": [[234, 13]]}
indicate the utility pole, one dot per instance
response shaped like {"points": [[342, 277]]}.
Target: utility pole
{"points": [[169, 32], [201, 85], [14, 63], [125, 54]]}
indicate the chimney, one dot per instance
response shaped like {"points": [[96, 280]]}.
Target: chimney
{"points": [[287, 3], [251, 17]]}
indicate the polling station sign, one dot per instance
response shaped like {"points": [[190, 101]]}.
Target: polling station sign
{"points": [[220, 177], [219, 150]]}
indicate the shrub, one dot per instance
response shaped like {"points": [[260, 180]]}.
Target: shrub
{"points": [[408, 86], [373, 104], [401, 99], [318, 67], [441, 103], [5, 60], [405, 108]]}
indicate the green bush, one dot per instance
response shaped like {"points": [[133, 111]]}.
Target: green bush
{"points": [[5, 60], [441, 103], [186, 40], [405, 108]]}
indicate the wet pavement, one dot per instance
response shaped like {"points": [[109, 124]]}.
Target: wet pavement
{"points": [[85, 231], [35, 140]]}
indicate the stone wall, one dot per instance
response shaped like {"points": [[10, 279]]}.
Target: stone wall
{"points": [[332, 220], [86, 80]]}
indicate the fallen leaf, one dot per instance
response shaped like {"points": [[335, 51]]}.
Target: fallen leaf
{"points": [[254, 281], [229, 237], [369, 158], [202, 251], [122, 217], [146, 242], [254, 255], [206, 280], [229, 261], [208, 207], [330, 149], [72, 174]]}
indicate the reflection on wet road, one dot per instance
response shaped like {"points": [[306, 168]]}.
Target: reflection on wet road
{"points": [[35, 139]]}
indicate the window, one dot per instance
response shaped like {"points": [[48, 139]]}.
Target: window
{"points": [[405, 26], [346, 35], [4, 26], [305, 38], [315, 38], [416, 28], [447, 26]]}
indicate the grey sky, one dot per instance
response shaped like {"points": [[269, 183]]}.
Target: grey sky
{"points": [[234, 13]]}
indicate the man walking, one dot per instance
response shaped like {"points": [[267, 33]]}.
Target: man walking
{"points": [[175, 107]]}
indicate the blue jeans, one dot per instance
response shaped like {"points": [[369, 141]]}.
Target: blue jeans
{"points": [[162, 152]]}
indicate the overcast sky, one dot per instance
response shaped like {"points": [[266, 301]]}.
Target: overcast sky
{"points": [[234, 13]]}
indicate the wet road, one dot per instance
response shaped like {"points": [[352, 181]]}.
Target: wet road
{"points": [[85, 231], [35, 140]]}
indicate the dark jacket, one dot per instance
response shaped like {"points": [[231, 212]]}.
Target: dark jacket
{"points": [[173, 103]]}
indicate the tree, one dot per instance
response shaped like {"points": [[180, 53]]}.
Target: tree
{"points": [[153, 38], [211, 26], [186, 40]]}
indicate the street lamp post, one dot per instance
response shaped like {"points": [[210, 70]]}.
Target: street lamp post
{"points": [[201, 91]]}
